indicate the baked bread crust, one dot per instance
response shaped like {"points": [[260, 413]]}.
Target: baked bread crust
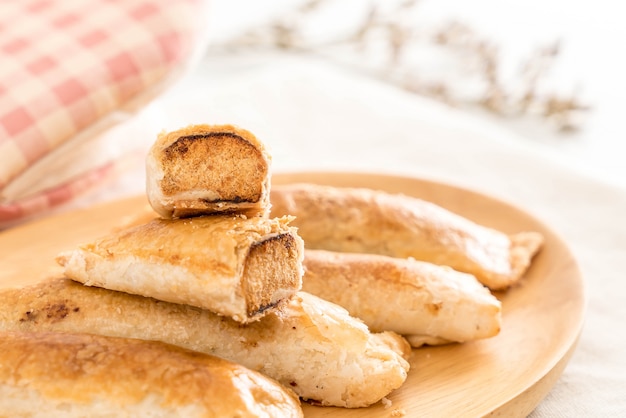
{"points": [[424, 302], [313, 346], [369, 221], [235, 266], [204, 169], [73, 375]]}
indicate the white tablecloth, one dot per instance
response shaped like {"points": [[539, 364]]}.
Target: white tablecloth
{"points": [[313, 115]]}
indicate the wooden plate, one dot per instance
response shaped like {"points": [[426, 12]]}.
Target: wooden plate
{"points": [[506, 375]]}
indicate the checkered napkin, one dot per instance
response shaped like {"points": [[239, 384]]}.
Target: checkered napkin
{"points": [[69, 71]]}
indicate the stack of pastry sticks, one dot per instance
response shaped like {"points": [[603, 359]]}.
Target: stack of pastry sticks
{"points": [[213, 273], [404, 264], [220, 267]]}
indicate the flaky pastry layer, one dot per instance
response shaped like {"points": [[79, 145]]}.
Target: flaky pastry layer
{"points": [[232, 265]]}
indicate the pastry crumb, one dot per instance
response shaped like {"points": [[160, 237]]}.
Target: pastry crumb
{"points": [[398, 412]]}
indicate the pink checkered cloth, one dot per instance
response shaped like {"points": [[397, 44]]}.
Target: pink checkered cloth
{"points": [[68, 70]]}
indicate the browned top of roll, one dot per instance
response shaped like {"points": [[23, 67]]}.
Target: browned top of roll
{"points": [[84, 370], [363, 220]]}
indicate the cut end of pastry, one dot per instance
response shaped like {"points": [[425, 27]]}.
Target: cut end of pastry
{"points": [[262, 295], [205, 169]]}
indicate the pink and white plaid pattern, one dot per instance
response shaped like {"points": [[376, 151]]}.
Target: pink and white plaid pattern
{"points": [[66, 64]]}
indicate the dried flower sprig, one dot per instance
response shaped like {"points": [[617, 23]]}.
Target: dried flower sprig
{"points": [[479, 57], [507, 100]]}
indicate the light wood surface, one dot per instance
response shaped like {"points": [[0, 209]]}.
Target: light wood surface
{"points": [[507, 375]]}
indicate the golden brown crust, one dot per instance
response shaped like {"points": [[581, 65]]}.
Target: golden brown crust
{"points": [[406, 296], [311, 346], [95, 375], [204, 169], [235, 266], [368, 221]]}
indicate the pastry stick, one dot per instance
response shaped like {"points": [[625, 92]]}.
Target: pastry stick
{"points": [[426, 303], [204, 169], [368, 221], [235, 266], [313, 346], [79, 375]]}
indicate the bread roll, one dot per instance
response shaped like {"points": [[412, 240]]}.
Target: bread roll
{"points": [[368, 221], [78, 375], [204, 169], [235, 266], [312, 346], [424, 302]]}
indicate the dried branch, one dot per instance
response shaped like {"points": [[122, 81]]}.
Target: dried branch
{"points": [[518, 98]]}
